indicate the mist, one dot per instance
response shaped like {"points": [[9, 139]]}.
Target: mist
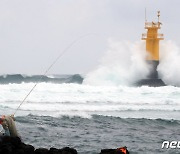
{"points": [[169, 67], [123, 64]]}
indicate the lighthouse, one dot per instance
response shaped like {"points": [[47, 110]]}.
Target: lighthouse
{"points": [[152, 38]]}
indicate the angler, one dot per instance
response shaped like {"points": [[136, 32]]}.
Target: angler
{"points": [[9, 126]]}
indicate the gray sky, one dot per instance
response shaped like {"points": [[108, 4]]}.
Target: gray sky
{"points": [[34, 32]]}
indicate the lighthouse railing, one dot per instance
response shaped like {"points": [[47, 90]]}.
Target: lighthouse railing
{"points": [[152, 24], [149, 36]]}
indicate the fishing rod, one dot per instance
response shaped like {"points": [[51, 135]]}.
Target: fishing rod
{"points": [[53, 63]]}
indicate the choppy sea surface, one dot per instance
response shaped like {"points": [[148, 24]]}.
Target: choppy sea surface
{"points": [[62, 111]]}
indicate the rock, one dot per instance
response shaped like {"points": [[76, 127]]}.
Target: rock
{"points": [[28, 149], [13, 145], [68, 150], [41, 151], [6, 149], [54, 151]]}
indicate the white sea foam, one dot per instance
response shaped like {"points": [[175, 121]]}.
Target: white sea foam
{"points": [[105, 90], [84, 100]]}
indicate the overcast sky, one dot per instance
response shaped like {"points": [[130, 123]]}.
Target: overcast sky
{"points": [[34, 32]]}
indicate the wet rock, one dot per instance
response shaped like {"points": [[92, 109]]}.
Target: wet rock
{"points": [[13, 145], [54, 151], [41, 151], [68, 150], [28, 149]]}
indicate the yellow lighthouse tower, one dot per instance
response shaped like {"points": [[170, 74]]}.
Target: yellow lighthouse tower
{"points": [[152, 38]]}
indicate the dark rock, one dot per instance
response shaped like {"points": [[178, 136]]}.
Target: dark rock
{"points": [[13, 145], [41, 151], [107, 151], [151, 83], [6, 149], [15, 141], [28, 149], [68, 150], [53, 151]]}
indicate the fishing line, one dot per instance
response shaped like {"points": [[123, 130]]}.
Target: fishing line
{"points": [[54, 62]]}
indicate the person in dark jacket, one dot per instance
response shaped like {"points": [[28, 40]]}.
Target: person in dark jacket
{"points": [[8, 125]]}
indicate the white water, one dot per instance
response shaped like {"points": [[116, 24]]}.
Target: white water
{"points": [[123, 64], [106, 90], [84, 100], [169, 67]]}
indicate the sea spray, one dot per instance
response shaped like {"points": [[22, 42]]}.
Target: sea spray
{"points": [[123, 64], [169, 67]]}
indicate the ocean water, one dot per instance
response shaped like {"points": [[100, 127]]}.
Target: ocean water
{"points": [[61, 111]]}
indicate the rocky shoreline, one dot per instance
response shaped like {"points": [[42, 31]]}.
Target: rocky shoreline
{"points": [[13, 145]]}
